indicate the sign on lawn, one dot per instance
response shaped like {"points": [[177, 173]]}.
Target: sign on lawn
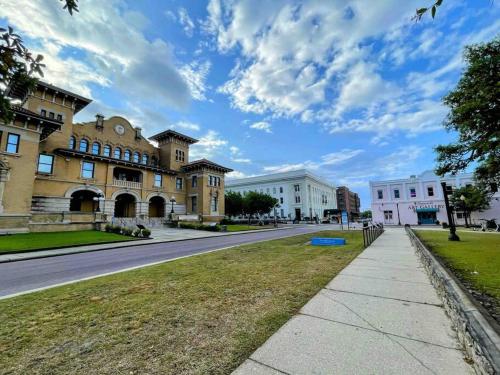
{"points": [[318, 241]]}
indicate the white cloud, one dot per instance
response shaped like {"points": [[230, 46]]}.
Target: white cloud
{"points": [[263, 126], [236, 174], [195, 74], [186, 22], [186, 125], [208, 145], [242, 160]]}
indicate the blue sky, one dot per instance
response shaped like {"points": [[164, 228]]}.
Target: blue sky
{"points": [[349, 89]]}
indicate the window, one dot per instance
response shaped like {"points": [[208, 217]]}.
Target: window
{"points": [[126, 155], [96, 148], [460, 215], [267, 190], [51, 115], [178, 183], [118, 153], [380, 194], [43, 112], [45, 163], [84, 145], [296, 187], [274, 190], [157, 180], [396, 193], [194, 204], [179, 155], [72, 143], [413, 193], [281, 189], [59, 117], [194, 181], [430, 191], [88, 169], [12, 143], [154, 161], [137, 157], [214, 203], [281, 200], [297, 199], [107, 151], [215, 181], [145, 158], [449, 189]]}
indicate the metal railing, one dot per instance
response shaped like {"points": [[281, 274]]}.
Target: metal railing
{"points": [[371, 233], [127, 184]]}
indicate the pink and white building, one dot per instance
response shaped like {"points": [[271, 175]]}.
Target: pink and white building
{"points": [[420, 200]]}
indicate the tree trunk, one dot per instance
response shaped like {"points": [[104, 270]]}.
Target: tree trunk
{"points": [[465, 217]]}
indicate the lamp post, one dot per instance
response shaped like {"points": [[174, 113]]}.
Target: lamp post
{"points": [[172, 200], [98, 200], [453, 235], [399, 218], [275, 207], [462, 198]]}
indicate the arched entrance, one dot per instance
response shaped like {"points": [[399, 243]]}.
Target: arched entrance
{"points": [[125, 205], [157, 207], [83, 201]]}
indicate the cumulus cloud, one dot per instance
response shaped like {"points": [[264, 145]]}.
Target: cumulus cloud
{"points": [[263, 126], [195, 75], [186, 125], [209, 145], [186, 22]]}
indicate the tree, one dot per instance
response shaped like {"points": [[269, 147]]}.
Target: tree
{"points": [[470, 198], [257, 203], [18, 66], [233, 203], [421, 11], [366, 214], [475, 115]]}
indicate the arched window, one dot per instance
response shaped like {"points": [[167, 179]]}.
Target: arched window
{"points": [[107, 151], [145, 158], [137, 157], [154, 161], [84, 145], [118, 153], [96, 148], [126, 155], [72, 142]]}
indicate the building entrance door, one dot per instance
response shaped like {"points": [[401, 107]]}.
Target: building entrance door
{"points": [[426, 217], [297, 214], [388, 217]]}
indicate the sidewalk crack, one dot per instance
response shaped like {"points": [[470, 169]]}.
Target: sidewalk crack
{"points": [[395, 299], [271, 367]]}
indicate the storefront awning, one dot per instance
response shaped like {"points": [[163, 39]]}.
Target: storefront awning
{"points": [[427, 209]]}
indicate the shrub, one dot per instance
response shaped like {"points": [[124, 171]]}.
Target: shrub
{"points": [[188, 226], [127, 231], [146, 233], [108, 228], [226, 221], [445, 225], [116, 229], [136, 232]]}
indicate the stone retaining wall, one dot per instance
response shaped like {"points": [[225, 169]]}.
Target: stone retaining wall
{"points": [[476, 333]]}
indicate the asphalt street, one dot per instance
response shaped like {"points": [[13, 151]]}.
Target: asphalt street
{"points": [[27, 275]]}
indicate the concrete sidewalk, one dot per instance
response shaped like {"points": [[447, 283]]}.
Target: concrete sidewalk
{"points": [[380, 315]]}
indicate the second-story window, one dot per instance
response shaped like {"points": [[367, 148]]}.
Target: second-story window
{"points": [[296, 188], [179, 155], [59, 117], [157, 180], [43, 113], [107, 151], [145, 159], [413, 193], [213, 181], [137, 157], [88, 169], [96, 148], [118, 153], [126, 155], [430, 191], [281, 189], [396, 193], [380, 194], [154, 161], [72, 142], [178, 183], [194, 181], [84, 145], [45, 163]]}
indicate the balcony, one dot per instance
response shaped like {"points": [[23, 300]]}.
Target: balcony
{"points": [[127, 184]]}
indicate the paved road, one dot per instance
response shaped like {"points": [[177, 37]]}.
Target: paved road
{"points": [[23, 276]]}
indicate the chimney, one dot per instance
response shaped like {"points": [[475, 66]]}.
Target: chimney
{"points": [[137, 132], [99, 123]]}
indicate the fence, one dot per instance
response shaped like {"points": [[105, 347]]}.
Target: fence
{"points": [[371, 233]]}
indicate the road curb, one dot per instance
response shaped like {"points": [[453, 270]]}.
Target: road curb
{"points": [[122, 245], [475, 331]]}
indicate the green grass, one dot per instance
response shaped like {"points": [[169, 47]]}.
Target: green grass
{"points": [[244, 227], [199, 315], [475, 259], [37, 241]]}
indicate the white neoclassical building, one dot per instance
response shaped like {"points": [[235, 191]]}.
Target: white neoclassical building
{"points": [[300, 193], [420, 200]]}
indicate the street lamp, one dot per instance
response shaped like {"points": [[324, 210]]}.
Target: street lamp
{"points": [[453, 235], [462, 198], [98, 199], [172, 200], [275, 207]]}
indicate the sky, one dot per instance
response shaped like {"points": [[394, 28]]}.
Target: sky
{"points": [[350, 90]]}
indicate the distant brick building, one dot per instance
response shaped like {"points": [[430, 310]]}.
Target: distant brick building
{"points": [[348, 201]]}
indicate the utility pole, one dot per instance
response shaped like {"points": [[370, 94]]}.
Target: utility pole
{"points": [[453, 235]]}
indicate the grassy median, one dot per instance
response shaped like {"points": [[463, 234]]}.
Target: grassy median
{"points": [[15, 243], [475, 259], [199, 315]]}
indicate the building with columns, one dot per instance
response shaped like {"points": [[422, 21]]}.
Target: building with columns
{"points": [[419, 200], [300, 193], [60, 175]]}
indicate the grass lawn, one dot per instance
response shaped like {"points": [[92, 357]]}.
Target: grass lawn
{"points": [[200, 315], [243, 227], [475, 259], [36, 241]]}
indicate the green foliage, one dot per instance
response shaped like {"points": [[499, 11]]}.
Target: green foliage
{"points": [[146, 233], [226, 221], [475, 199], [421, 11], [209, 228], [474, 115], [127, 231], [258, 203], [108, 228], [366, 214], [136, 233], [116, 229], [233, 203]]}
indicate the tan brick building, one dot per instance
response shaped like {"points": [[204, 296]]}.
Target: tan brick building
{"points": [[57, 175]]}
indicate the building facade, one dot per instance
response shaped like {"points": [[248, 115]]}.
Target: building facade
{"points": [[348, 201], [54, 173], [300, 193], [420, 200]]}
